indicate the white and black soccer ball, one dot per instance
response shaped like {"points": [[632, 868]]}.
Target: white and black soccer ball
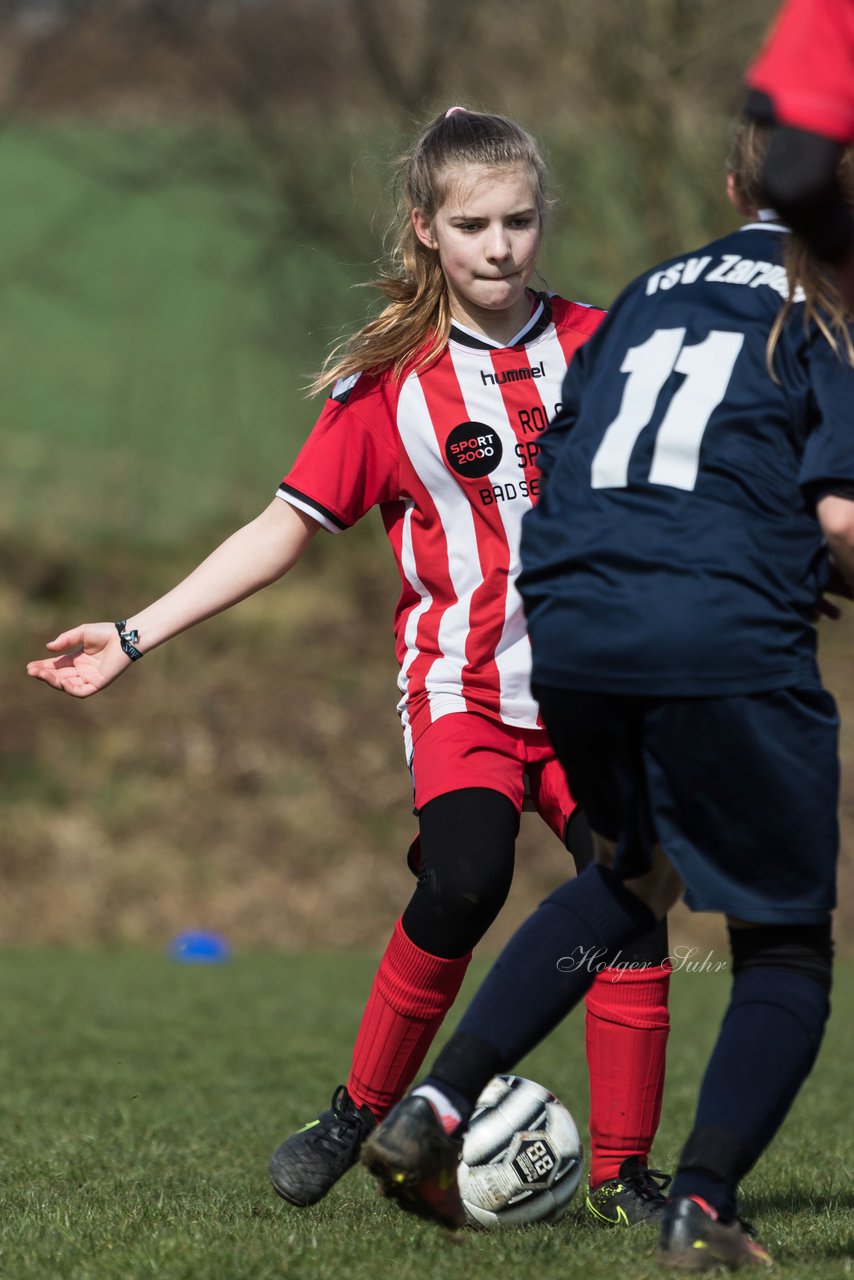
{"points": [[522, 1156]]}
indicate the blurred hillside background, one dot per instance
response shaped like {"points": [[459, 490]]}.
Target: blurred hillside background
{"points": [[190, 193]]}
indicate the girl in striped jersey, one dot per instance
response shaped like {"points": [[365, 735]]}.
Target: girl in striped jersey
{"points": [[435, 415]]}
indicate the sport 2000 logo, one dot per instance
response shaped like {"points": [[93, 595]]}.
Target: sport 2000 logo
{"points": [[473, 449]]}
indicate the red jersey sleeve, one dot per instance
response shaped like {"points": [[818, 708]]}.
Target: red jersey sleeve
{"points": [[350, 461]]}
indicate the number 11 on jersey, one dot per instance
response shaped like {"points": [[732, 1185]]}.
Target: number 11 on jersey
{"points": [[707, 367]]}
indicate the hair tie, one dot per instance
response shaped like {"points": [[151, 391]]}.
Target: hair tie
{"points": [[451, 111]]}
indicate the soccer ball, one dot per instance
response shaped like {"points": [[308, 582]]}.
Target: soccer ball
{"points": [[522, 1156]]}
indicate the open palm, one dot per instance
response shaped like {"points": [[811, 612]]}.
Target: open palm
{"points": [[95, 660]]}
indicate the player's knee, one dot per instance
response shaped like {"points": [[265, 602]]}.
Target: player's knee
{"points": [[800, 948], [470, 897], [449, 913]]}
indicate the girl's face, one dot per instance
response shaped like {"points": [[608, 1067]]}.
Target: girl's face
{"points": [[487, 233]]}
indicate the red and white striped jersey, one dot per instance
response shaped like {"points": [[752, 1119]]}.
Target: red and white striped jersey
{"points": [[449, 455]]}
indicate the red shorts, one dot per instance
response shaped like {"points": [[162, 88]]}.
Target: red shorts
{"points": [[468, 750], [807, 67]]}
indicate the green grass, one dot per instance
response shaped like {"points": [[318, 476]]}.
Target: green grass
{"points": [[142, 1098]]}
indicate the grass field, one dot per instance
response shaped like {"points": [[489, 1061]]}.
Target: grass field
{"points": [[141, 1099]]}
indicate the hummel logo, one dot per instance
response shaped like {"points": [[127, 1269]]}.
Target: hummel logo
{"points": [[513, 375]]}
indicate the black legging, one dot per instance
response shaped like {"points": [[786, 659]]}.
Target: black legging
{"points": [[468, 847]]}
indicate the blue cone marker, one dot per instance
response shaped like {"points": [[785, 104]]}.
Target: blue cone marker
{"points": [[199, 947]]}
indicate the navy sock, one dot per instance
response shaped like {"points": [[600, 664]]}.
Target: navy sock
{"points": [[767, 1045], [542, 973]]}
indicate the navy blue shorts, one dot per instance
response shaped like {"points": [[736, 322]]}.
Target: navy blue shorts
{"points": [[741, 792]]}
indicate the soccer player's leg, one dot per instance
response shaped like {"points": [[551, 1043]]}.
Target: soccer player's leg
{"points": [[766, 1048], [539, 977], [750, 816], [464, 870], [467, 852], [626, 1031], [467, 855]]}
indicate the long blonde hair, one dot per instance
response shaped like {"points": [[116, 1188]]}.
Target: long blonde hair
{"points": [[416, 320], [823, 304]]}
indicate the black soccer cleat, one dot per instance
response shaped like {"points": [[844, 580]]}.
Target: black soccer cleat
{"points": [[309, 1163], [692, 1239], [635, 1197], [416, 1162]]}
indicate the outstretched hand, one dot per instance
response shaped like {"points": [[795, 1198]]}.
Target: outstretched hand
{"points": [[95, 661]]}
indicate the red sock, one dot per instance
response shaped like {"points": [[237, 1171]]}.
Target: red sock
{"points": [[411, 994], [627, 1029]]}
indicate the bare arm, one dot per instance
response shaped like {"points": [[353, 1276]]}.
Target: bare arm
{"points": [[836, 517], [253, 557]]}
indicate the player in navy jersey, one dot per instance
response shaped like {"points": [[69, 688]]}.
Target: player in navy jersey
{"points": [[436, 413], [695, 483]]}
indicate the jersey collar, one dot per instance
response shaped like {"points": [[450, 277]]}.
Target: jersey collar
{"points": [[538, 321], [766, 220]]}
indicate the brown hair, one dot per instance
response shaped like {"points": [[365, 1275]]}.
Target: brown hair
{"points": [[823, 303], [416, 320]]}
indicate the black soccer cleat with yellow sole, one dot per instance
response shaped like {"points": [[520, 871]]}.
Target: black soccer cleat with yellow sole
{"points": [[634, 1198], [308, 1164], [416, 1162], [692, 1239]]}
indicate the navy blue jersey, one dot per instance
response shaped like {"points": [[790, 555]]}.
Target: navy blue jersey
{"points": [[675, 549]]}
